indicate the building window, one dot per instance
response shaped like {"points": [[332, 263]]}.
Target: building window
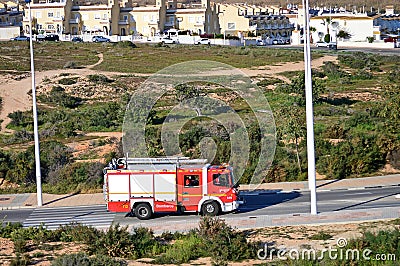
{"points": [[146, 18], [191, 19], [125, 18], [50, 14], [50, 27], [105, 17], [85, 17], [97, 16], [58, 14], [231, 26], [39, 26], [38, 14]]}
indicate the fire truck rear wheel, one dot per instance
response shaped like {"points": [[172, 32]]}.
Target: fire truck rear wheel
{"points": [[143, 211], [210, 208]]}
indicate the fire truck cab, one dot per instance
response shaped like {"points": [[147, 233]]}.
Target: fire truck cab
{"points": [[145, 186]]}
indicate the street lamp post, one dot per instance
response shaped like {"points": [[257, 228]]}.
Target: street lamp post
{"points": [[35, 120], [309, 111], [223, 22]]}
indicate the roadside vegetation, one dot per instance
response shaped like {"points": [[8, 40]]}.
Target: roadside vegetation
{"points": [[356, 102], [213, 240]]}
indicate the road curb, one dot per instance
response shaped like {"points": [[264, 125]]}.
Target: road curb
{"points": [[5, 208]]}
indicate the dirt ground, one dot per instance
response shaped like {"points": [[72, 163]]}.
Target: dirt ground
{"points": [[287, 237]]}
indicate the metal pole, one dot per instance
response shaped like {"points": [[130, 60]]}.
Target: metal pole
{"points": [[223, 21], [309, 111], [35, 120]]}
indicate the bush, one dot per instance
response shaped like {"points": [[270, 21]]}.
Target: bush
{"points": [[321, 236], [126, 44], [332, 71], [68, 81], [116, 242], [182, 251], [74, 177], [20, 261], [99, 78], [77, 233], [222, 242], [58, 95], [360, 60], [82, 259], [8, 228], [71, 64]]}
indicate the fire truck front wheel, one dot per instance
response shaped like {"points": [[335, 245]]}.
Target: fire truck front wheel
{"points": [[210, 208], [143, 211]]}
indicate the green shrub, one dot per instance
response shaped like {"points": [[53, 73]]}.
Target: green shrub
{"points": [[78, 233], [20, 261], [394, 75], [321, 236], [81, 259], [222, 242], [116, 242], [332, 70], [269, 81], [360, 60], [126, 44], [182, 251], [8, 228], [327, 38], [58, 95], [99, 78], [68, 81], [145, 243], [71, 64]]}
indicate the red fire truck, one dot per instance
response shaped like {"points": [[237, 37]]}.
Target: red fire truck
{"points": [[145, 186]]}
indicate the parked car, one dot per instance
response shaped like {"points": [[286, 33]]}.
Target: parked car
{"points": [[278, 41], [49, 37], [332, 46], [260, 42], [321, 44], [76, 39], [169, 40], [20, 38], [204, 41], [390, 39], [100, 39]]}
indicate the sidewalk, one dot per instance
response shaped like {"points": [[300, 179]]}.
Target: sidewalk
{"points": [[326, 185], [28, 200]]}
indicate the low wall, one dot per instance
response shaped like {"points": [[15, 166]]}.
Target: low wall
{"points": [[6, 33], [367, 44]]}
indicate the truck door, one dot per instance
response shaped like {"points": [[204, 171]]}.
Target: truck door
{"points": [[190, 190], [219, 183]]}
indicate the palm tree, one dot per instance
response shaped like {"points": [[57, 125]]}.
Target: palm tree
{"points": [[327, 22]]}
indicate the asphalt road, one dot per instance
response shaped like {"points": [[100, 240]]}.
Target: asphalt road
{"points": [[263, 204]]}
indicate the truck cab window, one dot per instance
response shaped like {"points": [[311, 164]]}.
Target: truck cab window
{"points": [[221, 180], [191, 180]]}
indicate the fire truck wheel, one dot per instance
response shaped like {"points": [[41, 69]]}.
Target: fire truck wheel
{"points": [[143, 211], [210, 208]]}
